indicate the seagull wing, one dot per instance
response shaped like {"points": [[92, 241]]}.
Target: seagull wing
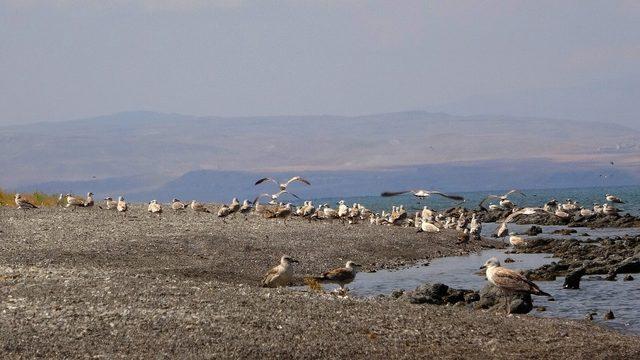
{"points": [[286, 192], [452, 197], [298, 179], [394, 193], [512, 281], [514, 191], [266, 179], [27, 204], [339, 274], [487, 198], [269, 276]]}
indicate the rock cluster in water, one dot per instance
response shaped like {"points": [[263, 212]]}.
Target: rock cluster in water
{"points": [[490, 297], [609, 257]]}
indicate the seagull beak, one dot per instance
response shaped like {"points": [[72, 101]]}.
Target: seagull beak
{"points": [[483, 267]]}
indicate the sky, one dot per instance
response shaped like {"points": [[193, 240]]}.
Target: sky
{"points": [[66, 59]]}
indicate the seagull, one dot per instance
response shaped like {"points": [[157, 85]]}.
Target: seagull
{"points": [[234, 206], [155, 207], [340, 276], [122, 205], [504, 200], [110, 204], [278, 212], [274, 197], [224, 211], [421, 194], [88, 202], [609, 209], [509, 281], [245, 207], [281, 274], [22, 203], [178, 205], [502, 230], [74, 201], [614, 199], [515, 240], [198, 207], [60, 200], [427, 226], [283, 186]]}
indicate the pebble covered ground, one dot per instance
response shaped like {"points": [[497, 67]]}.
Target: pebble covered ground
{"points": [[90, 283]]}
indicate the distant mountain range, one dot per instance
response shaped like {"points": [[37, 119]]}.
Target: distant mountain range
{"points": [[145, 154]]}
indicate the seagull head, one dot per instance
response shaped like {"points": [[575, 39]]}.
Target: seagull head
{"points": [[18, 195], [287, 260], [352, 265], [493, 262]]}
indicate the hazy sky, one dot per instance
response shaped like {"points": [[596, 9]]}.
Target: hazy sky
{"points": [[62, 59]]}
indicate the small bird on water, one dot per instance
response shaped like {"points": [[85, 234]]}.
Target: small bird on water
{"points": [[509, 282], [281, 274]]}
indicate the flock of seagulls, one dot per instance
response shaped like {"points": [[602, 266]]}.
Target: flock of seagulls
{"points": [[467, 224]]}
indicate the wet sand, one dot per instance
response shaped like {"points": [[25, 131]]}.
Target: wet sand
{"points": [[89, 283]]}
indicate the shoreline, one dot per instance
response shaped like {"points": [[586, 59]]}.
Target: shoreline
{"points": [[87, 282]]}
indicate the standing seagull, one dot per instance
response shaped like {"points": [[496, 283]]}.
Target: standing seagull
{"points": [[155, 207], [23, 204], [74, 201], [510, 282], [421, 194], [340, 276], [88, 202], [283, 186], [280, 275], [245, 207], [110, 204], [122, 206]]}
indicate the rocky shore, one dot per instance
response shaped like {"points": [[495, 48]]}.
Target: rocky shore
{"points": [[89, 283]]}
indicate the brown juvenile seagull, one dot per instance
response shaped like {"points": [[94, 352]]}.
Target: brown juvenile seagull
{"points": [[23, 203], [178, 205], [74, 201], [422, 194], [283, 186], [509, 281], [198, 207], [340, 276], [280, 275]]}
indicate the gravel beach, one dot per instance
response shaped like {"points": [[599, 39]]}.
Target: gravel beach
{"points": [[90, 283]]}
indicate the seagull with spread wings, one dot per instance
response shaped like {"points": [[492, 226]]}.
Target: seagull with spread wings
{"points": [[504, 199], [502, 230], [283, 186], [422, 194], [274, 197]]}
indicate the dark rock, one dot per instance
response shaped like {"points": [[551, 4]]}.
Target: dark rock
{"points": [[397, 293], [492, 297], [628, 278], [471, 297], [611, 276], [534, 230], [590, 316], [572, 280], [565, 231], [438, 294], [629, 265], [609, 315]]}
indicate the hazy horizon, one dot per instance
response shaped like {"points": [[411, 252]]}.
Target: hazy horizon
{"points": [[66, 59]]}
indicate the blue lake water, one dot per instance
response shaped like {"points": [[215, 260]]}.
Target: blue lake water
{"points": [[535, 197]]}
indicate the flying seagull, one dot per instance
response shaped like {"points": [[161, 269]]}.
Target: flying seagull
{"points": [[283, 186], [503, 198], [422, 194], [502, 230], [275, 196], [510, 282]]}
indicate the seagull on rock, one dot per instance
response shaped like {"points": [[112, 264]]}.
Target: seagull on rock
{"points": [[510, 282]]}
